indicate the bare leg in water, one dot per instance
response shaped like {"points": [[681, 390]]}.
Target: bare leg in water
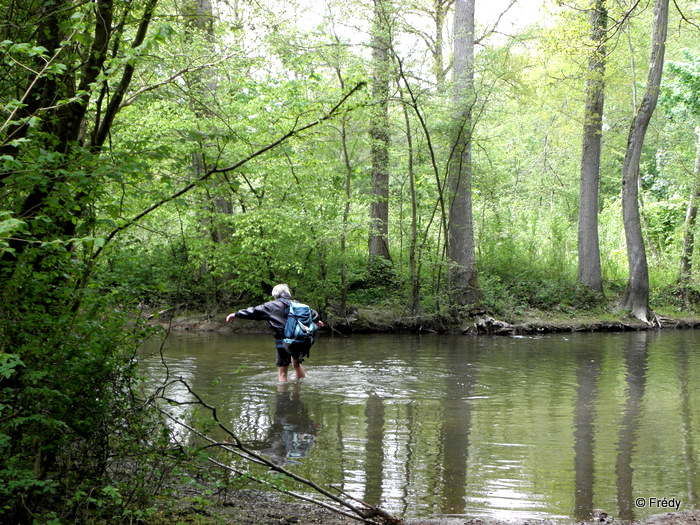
{"points": [[298, 369], [282, 371]]}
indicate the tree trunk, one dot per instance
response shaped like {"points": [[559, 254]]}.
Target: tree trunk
{"points": [[440, 10], [462, 282], [589, 270], [346, 210], [346, 218], [689, 234], [636, 297], [413, 247], [379, 132]]}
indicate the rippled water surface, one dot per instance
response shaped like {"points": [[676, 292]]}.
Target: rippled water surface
{"points": [[524, 427]]}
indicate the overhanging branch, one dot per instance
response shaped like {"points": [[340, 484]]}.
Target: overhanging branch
{"points": [[290, 134]]}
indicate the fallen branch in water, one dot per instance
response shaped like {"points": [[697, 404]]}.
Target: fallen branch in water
{"points": [[358, 510]]}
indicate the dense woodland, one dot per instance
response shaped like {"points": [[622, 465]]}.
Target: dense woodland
{"points": [[433, 157]]}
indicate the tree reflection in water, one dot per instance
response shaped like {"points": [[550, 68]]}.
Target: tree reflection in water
{"points": [[550, 426]]}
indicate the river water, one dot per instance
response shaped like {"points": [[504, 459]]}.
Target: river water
{"points": [[510, 427]]}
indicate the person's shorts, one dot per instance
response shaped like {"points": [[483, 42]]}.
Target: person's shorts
{"points": [[285, 354], [284, 358]]}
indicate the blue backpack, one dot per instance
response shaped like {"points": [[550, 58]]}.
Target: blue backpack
{"points": [[300, 330]]}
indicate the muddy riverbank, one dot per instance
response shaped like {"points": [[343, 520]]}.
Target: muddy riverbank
{"points": [[245, 507], [383, 321]]}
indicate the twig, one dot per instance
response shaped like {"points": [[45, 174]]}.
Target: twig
{"points": [[378, 511], [170, 79]]}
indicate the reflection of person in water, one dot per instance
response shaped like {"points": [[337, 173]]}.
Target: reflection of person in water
{"points": [[292, 433]]}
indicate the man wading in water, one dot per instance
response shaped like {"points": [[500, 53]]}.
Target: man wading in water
{"points": [[275, 313]]}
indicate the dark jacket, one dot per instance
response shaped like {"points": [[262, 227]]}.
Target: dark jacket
{"points": [[274, 312]]}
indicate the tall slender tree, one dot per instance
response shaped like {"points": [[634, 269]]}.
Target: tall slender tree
{"points": [[691, 216], [346, 207], [379, 131], [463, 282], [683, 99], [636, 298], [413, 242], [589, 270]]}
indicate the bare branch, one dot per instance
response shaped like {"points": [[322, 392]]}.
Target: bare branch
{"points": [[170, 79], [493, 27], [291, 493], [683, 17], [363, 512]]}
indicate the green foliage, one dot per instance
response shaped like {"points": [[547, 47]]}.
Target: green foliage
{"points": [[378, 283], [74, 440], [156, 275], [67, 401], [681, 94], [76, 443], [530, 291]]}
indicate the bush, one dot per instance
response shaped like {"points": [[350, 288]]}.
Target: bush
{"points": [[71, 425], [372, 286]]}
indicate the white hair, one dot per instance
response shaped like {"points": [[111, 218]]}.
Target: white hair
{"points": [[281, 290]]}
